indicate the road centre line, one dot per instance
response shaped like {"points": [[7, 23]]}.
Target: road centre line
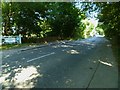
{"points": [[41, 57]]}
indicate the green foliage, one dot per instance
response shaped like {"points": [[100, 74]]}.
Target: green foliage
{"points": [[6, 15], [64, 21], [110, 15], [88, 29], [42, 19], [23, 16]]}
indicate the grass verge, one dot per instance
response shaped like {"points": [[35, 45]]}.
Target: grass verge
{"points": [[116, 51], [13, 46]]}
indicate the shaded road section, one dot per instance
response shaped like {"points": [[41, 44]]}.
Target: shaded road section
{"points": [[87, 63]]}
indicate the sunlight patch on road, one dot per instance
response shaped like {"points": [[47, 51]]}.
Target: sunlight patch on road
{"points": [[32, 52], [68, 81], [23, 78], [65, 46], [108, 45], [55, 46], [4, 76], [26, 74], [73, 52], [88, 43], [23, 58], [94, 61], [35, 49], [106, 63], [6, 65]]}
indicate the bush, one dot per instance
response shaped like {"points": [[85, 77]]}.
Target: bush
{"points": [[39, 40]]}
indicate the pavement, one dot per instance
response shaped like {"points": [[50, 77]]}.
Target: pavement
{"points": [[87, 63]]}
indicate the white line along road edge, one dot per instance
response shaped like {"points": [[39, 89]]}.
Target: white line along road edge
{"points": [[41, 57]]}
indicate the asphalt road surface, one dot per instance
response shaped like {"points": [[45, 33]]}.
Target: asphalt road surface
{"points": [[88, 63]]}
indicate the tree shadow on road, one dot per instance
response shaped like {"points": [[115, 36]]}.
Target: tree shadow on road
{"points": [[19, 77]]}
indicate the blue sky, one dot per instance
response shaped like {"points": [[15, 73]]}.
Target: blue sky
{"points": [[92, 14]]}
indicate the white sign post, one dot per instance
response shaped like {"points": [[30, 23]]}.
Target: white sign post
{"points": [[11, 39]]}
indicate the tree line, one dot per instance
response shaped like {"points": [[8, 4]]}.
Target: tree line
{"points": [[58, 19], [110, 17], [43, 19]]}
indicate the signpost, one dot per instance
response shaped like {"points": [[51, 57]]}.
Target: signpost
{"points": [[11, 39]]}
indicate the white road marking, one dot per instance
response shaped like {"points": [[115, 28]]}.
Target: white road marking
{"points": [[41, 57]]}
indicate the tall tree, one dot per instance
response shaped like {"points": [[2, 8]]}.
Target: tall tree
{"points": [[6, 15], [64, 19], [23, 16], [110, 15], [42, 19]]}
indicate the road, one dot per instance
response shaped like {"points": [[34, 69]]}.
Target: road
{"points": [[87, 63]]}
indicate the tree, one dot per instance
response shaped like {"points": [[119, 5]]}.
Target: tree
{"points": [[64, 22], [23, 16], [28, 16], [110, 15], [6, 15], [42, 19]]}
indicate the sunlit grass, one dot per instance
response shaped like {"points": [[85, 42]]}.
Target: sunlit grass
{"points": [[9, 46], [13, 46]]}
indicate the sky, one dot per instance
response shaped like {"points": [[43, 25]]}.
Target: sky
{"points": [[90, 16]]}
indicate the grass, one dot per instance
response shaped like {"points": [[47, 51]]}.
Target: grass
{"points": [[32, 41], [13, 46], [9, 46]]}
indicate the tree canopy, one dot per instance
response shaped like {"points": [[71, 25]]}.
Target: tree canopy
{"points": [[41, 19], [109, 16], [58, 19]]}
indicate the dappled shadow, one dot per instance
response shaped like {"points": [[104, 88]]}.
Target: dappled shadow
{"points": [[88, 43], [72, 47], [17, 72], [19, 77], [64, 46], [67, 48], [73, 52], [65, 67]]}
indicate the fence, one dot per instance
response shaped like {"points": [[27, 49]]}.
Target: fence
{"points": [[11, 40]]}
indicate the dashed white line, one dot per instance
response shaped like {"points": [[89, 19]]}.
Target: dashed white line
{"points": [[41, 57]]}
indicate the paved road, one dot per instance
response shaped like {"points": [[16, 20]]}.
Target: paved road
{"points": [[88, 63]]}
